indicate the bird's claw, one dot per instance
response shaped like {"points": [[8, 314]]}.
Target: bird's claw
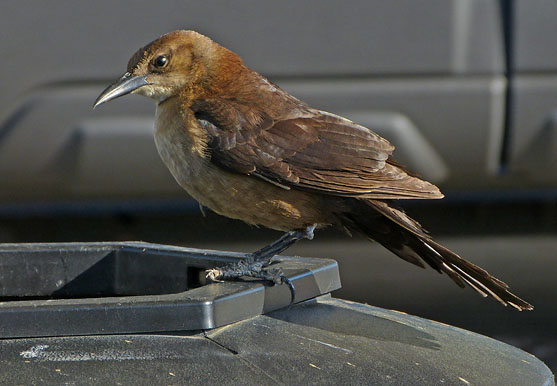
{"points": [[214, 275]]}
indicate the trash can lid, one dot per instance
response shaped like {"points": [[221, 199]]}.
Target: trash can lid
{"points": [[61, 289]]}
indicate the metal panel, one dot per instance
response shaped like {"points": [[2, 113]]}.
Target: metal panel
{"points": [[534, 142], [67, 41], [534, 35]]}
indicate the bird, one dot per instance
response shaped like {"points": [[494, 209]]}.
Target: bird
{"points": [[248, 150]]}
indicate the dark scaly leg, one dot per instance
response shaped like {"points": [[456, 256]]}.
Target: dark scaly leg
{"points": [[256, 261]]}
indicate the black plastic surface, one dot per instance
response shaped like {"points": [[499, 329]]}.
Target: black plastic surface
{"points": [[100, 288], [321, 342]]}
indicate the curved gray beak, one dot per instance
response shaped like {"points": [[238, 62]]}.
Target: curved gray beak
{"points": [[125, 85]]}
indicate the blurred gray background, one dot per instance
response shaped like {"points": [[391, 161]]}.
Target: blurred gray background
{"points": [[466, 90]]}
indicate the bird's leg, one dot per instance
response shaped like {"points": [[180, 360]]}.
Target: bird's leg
{"points": [[266, 253], [256, 261]]}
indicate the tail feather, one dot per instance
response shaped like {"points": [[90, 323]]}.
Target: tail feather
{"points": [[405, 237]]}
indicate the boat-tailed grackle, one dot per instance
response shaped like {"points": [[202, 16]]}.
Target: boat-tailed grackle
{"points": [[248, 150]]}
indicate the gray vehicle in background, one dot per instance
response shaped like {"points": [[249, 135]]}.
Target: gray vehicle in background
{"points": [[465, 89]]}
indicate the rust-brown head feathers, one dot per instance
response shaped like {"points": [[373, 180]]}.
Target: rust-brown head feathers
{"points": [[177, 60]]}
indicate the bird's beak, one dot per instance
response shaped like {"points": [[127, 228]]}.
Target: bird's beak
{"points": [[125, 85]]}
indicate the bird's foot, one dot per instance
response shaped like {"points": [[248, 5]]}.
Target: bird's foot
{"points": [[253, 269], [255, 263], [246, 267]]}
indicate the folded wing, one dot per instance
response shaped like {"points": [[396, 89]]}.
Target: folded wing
{"points": [[315, 151]]}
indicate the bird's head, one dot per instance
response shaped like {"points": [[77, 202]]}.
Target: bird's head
{"points": [[162, 68]]}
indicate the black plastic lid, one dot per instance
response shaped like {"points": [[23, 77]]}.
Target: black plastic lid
{"points": [[58, 289]]}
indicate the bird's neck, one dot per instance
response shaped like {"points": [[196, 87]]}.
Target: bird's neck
{"points": [[176, 124]]}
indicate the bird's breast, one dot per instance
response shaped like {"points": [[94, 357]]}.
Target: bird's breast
{"points": [[183, 149], [180, 145]]}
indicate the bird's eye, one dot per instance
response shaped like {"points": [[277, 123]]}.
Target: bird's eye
{"points": [[160, 61]]}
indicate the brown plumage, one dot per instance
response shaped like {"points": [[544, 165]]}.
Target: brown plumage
{"points": [[249, 150]]}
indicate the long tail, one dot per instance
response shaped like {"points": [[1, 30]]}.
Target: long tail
{"points": [[405, 237]]}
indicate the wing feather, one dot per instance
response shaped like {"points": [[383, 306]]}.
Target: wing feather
{"points": [[316, 151]]}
